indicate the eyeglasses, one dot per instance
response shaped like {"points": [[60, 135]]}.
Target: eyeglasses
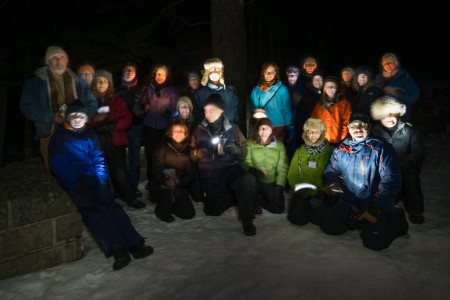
{"points": [[357, 126]]}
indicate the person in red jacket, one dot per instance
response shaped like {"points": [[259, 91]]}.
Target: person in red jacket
{"points": [[111, 124]]}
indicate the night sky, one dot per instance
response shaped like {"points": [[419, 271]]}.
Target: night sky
{"points": [[107, 33]]}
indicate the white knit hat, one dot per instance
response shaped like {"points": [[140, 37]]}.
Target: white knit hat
{"points": [[54, 50], [386, 105]]}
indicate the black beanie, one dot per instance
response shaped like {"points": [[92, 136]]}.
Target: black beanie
{"points": [[76, 107], [216, 100]]}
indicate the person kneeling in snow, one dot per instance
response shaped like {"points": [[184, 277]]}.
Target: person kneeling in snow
{"points": [[364, 170], [79, 166]]}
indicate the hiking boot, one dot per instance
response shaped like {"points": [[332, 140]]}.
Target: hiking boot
{"points": [[136, 203], [249, 228], [257, 210], [168, 219], [121, 259], [142, 252], [416, 218]]}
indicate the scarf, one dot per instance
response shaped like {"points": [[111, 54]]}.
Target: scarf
{"points": [[129, 84], [61, 89], [316, 150], [216, 127]]}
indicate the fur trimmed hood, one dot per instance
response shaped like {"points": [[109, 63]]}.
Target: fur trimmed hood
{"points": [[314, 123], [386, 105], [212, 63]]}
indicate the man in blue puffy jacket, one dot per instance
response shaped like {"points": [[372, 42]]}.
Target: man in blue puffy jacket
{"points": [[79, 166], [364, 175]]}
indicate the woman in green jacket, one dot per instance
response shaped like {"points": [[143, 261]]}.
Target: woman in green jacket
{"points": [[267, 160], [305, 173]]}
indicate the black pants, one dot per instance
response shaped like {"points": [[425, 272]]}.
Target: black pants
{"points": [[300, 211], [237, 186], [267, 195], [411, 191], [375, 236], [119, 174], [151, 137], [176, 201]]}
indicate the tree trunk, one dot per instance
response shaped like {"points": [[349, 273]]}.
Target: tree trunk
{"points": [[229, 44]]}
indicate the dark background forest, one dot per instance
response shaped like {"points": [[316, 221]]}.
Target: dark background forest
{"points": [[183, 34]]}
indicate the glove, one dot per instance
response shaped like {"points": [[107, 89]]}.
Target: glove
{"points": [[256, 172], [279, 196], [167, 113], [232, 148], [201, 152], [104, 192]]}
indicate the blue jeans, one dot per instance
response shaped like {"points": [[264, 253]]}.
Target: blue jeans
{"points": [[134, 135]]}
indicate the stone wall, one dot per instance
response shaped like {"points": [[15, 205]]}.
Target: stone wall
{"points": [[39, 225]]}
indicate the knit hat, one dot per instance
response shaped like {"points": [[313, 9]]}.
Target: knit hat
{"points": [[77, 107], [131, 63], [193, 75], [208, 65], [386, 105], [216, 100], [359, 117], [186, 100], [310, 60], [349, 69], [104, 73], [85, 68], [331, 79], [52, 51], [364, 70], [292, 69], [264, 121]]}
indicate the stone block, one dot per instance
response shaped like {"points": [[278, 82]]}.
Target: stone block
{"points": [[59, 254], [68, 226], [20, 241]]}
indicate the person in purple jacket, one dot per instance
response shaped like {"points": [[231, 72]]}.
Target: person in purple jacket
{"points": [[161, 106]]}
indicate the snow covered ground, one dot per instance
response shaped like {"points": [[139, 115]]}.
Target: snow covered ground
{"points": [[210, 258]]}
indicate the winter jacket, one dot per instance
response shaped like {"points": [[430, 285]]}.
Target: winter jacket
{"points": [[406, 141], [368, 173], [35, 101], [275, 101], [407, 90], [76, 158], [335, 119], [211, 165], [272, 158], [363, 98], [168, 156], [162, 107], [229, 96], [130, 94], [301, 171], [122, 119]]}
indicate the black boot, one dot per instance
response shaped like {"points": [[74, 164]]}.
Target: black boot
{"points": [[121, 259], [249, 228], [141, 251], [136, 203]]}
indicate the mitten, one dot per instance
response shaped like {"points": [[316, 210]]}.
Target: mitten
{"points": [[233, 148]]}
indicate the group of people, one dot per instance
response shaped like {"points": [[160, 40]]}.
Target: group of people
{"points": [[305, 137]]}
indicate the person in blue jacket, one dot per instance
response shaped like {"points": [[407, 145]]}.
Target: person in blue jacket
{"points": [[47, 94], [79, 166], [364, 174]]}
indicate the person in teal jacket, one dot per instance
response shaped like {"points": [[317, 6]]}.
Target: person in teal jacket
{"points": [[273, 96], [305, 174], [267, 161]]}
